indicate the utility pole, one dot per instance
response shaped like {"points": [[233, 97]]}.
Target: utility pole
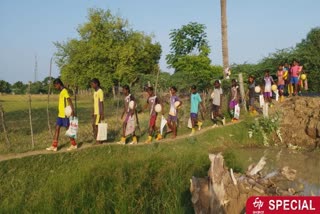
{"points": [[224, 36]]}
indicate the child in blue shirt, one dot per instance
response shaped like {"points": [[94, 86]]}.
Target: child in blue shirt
{"points": [[195, 100]]}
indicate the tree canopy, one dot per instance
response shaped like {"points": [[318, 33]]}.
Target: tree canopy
{"points": [[307, 52], [107, 49], [190, 39], [189, 57], [5, 87]]}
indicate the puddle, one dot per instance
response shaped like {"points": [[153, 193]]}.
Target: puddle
{"points": [[307, 165]]}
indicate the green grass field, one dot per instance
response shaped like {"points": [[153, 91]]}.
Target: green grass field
{"points": [[116, 178], [110, 178]]}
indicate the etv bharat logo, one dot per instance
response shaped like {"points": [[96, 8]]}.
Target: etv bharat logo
{"points": [[258, 203]]}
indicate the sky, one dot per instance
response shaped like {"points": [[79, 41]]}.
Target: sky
{"points": [[256, 28]]}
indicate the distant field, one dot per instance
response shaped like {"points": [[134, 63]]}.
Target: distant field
{"points": [[17, 122], [13, 103]]}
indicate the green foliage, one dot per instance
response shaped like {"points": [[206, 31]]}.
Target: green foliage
{"points": [[197, 73], [190, 40], [19, 87], [307, 52], [164, 81], [314, 80], [5, 87], [109, 50], [38, 87], [265, 126]]}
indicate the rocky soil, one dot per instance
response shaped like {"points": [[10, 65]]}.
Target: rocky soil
{"points": [[300, 123]]}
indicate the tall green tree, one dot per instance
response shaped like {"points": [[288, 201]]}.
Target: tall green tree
{"points": [[19, 87], [38, 88], [109, 50], [308, 52], [190, 39], [189, 57], [5, 87]]}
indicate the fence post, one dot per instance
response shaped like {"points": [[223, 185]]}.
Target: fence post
{"points": [[243, 100], [4, 126], [75, 91], [114, 91], [204, 100], [48, 100], [156, 85], [30, 117], [118, 103]]}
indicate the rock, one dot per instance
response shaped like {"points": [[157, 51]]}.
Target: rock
{"points": [[300, 121], [218, 194]]}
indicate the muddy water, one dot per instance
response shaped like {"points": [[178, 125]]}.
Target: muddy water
{"points": [[306, 163]]}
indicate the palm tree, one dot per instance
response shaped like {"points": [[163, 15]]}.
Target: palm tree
{"points": [[224, 35]]}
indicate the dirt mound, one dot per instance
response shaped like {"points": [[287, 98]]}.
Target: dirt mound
{"points": [[300, 124]]}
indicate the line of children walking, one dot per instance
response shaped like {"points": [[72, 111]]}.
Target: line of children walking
{"points": [[290, 80], [129, 116], [174, 105]]}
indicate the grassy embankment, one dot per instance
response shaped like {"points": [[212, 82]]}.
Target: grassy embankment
{"points": [[119, 179]]}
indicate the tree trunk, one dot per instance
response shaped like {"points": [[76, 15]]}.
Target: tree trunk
{"points": [[223, 191], [224, 35], [114, 91]]}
